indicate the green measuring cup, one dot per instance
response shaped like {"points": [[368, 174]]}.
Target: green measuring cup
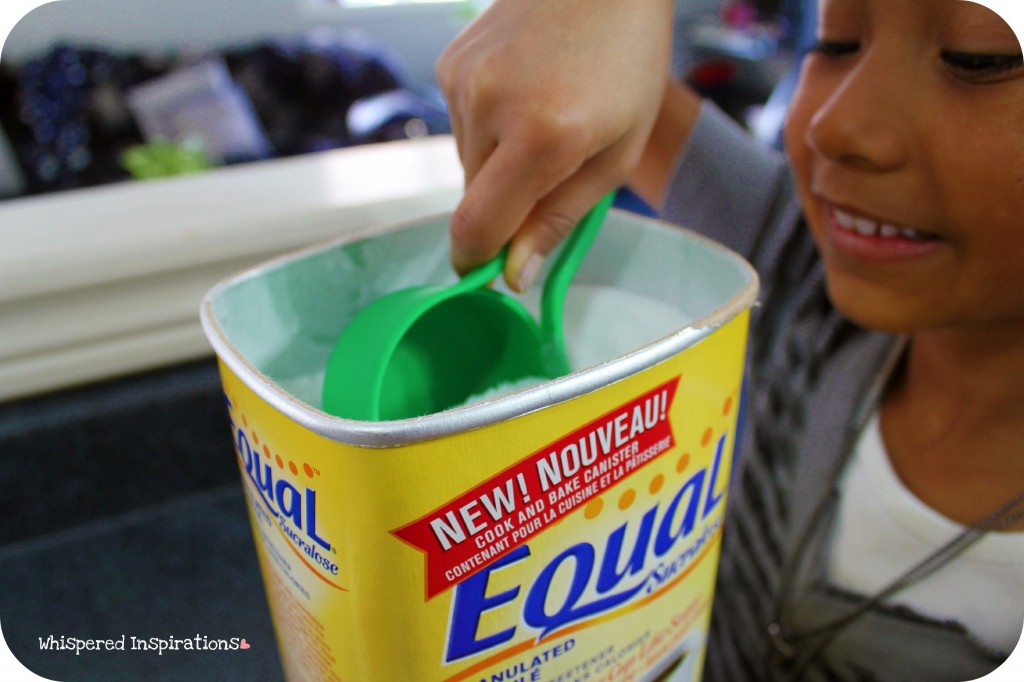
{"points": [[428, 348]]}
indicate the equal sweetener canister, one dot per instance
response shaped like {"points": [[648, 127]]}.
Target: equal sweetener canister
{"points": [[569, 532]]}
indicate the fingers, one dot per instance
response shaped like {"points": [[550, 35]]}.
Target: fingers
{"points": [[532, 189], [547, 119], [505, 190], [530, 192], [532, 172], [554, 217]]}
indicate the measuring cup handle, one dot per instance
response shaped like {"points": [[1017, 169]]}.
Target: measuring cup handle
{"points": [[564, 269], [483, 275]]}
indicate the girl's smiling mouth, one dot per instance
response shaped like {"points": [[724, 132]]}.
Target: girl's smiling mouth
{"points": [[858, 236], [868, 227]]}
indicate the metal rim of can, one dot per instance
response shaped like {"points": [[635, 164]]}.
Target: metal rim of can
{"points": [[407, 431]]}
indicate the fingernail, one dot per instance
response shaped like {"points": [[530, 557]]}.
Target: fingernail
{"points": [[528, 273]]}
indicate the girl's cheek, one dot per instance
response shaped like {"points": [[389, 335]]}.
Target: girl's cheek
{"points": [[794, 138]]}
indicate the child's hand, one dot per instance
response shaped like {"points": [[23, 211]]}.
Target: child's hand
{"points": [[551, 102]]}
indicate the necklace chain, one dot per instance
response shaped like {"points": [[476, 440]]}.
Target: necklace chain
{"points": [[783, 642]]}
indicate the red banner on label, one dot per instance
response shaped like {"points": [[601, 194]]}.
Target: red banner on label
{"points": [[484, 523]]}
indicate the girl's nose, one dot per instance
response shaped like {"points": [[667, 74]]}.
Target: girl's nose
{"points": [[862, 122]]}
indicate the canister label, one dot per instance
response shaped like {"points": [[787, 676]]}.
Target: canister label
{"points": [[576, 543]]}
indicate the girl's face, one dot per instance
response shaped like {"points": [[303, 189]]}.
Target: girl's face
{"points": [[907, 141]]}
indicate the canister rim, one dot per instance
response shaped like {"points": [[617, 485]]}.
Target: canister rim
{"points": [[408, 431]]}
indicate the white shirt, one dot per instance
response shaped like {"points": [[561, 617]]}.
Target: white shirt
{"points": [[882, 530]]}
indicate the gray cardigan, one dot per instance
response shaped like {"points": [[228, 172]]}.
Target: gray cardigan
{"points": [[812, 378]]}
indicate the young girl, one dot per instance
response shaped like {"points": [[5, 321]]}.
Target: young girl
{"points": [[876, 524]]}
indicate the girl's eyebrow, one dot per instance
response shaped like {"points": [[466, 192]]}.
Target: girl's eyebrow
{"points": [[973, 23]]}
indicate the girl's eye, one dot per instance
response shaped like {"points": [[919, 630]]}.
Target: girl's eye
{"points": [[973, 66], [835, 48]]}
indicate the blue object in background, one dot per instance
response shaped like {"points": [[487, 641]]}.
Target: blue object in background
{"points": [[628, 200], [394, 115]]}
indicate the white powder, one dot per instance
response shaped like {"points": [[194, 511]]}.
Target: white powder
{"points": [[601, 324], [507, 388]]}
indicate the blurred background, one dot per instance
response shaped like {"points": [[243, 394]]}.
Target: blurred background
{"points": [[149, 148], [84, 81]]}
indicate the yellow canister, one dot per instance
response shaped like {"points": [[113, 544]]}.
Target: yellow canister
{"points": [[568, 532]]}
